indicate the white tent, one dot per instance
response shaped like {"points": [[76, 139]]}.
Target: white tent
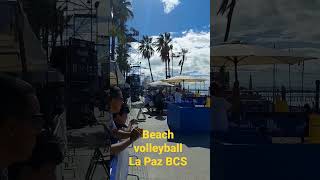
{"points": [[179, 79], [244, 54], [160, 84], [234, 54]]}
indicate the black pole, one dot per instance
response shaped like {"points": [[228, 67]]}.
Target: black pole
{"points": [[91, 21], [20, 26], [236, 70], [302, 81], [172, 64], [317, 95], [290, 84], [274, 83]]}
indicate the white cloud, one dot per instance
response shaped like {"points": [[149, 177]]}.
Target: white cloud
{"points": [[197, 59], [169, 5], [287, 23]]}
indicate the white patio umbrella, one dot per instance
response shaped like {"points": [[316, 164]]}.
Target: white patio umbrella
{"points": [[235, 54], [183, 79], [160, 84], [179, 79]]}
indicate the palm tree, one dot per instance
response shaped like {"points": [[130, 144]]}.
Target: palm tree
{"points": [[47, 21], [226, 6], [163, 47], [121, 13], [122, 58], [171, 49], [181, 63], [147, 50]]}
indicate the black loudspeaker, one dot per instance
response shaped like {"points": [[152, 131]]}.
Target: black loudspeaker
{"points": [[58, 58]]}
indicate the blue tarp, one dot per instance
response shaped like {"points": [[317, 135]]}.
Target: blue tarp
{"points": [[184, 117]]}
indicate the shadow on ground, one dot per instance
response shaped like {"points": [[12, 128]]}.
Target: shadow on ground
{"points": [[160, 118], [192, 139], [150, 114]]}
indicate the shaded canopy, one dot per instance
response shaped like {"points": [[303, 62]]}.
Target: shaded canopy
{"points": [[160, 84], [244, 54], [179, 79]]}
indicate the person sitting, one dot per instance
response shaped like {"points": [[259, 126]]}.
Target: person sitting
{"points": [[46, 155], [20, 121], [147, 102], [280, 105], [208, 102], [197, 94]]}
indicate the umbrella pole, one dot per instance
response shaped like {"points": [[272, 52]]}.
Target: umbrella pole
{"points": [[302, 82], [274, 83], [195, 89], [236, 71], [290, 84]]}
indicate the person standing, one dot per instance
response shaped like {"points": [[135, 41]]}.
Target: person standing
{"points": [[115, 102], [177, 96], [220, 107], [160, 102]]}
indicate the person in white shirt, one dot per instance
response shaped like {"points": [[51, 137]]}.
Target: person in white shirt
{"points": [[177, 96], [220, 106], [115, 101]]}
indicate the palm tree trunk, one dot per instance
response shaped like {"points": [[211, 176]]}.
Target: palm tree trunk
{"points": [[166, 69], [182, 64], [232, 5], [150, 69], [168, 61]]}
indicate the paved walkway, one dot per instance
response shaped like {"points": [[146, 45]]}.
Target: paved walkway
{"points": [[195, 148]]}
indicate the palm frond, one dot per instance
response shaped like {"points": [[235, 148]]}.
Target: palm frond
{"points": [[223, 7]]}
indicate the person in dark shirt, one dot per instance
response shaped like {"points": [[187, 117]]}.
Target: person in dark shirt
{"points": [[159, 102], [20, 121]]}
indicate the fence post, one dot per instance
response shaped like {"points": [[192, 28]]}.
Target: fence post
{"points": [[317, 96]]}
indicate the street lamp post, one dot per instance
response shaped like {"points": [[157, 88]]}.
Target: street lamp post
{"points": [[91, 20], [172, 56]]}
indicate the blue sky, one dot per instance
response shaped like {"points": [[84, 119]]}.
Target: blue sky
{"points": [[150, 17], [187, 21]]}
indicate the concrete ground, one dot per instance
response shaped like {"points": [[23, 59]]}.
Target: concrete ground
{"points": [[195, 148]]}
